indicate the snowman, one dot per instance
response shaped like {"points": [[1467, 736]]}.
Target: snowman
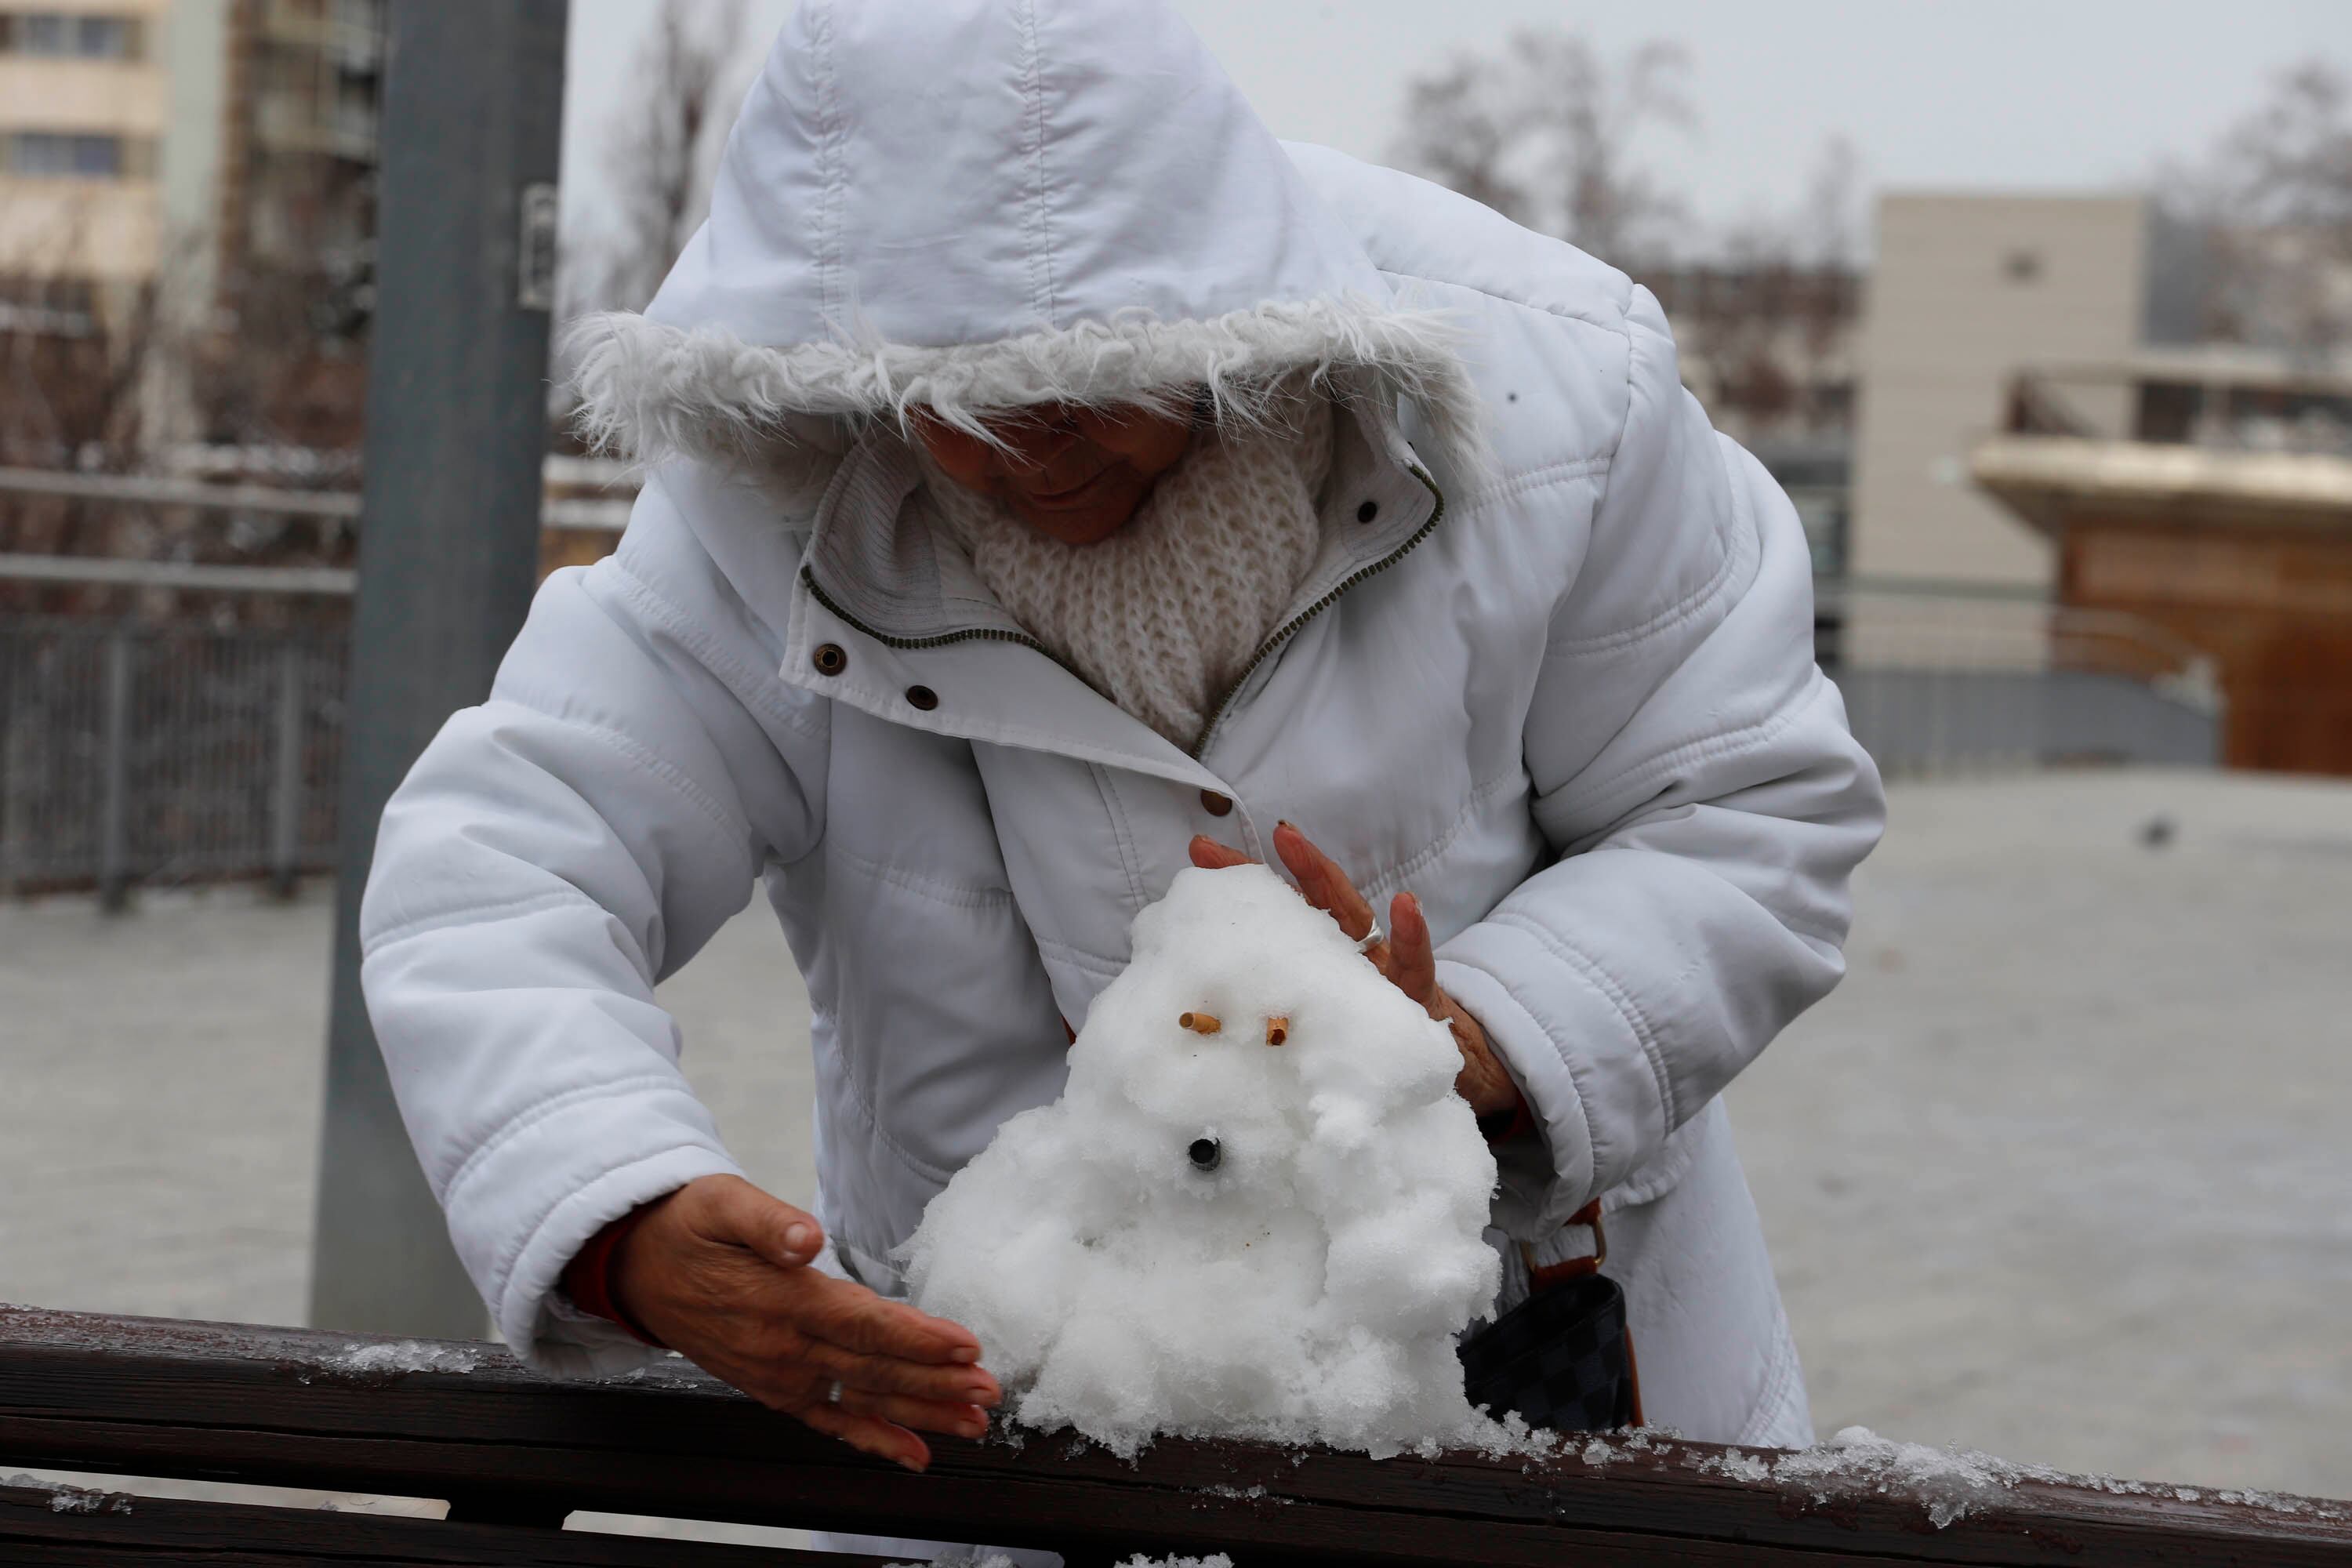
{"points": [[1256, 1211]]}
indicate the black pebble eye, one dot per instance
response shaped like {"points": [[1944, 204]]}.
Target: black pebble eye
{"points": [[1205, 1153]]}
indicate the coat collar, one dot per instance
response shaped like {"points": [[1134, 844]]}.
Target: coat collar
{"points": [[922, 642], [873, 557]]}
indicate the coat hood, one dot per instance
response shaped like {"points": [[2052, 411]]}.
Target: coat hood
{"points": [[976, 204]]}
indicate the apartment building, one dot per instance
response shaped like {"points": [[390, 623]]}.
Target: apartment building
{"points": [[85, 104], [219, 154]]}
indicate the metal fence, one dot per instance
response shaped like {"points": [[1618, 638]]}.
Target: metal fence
{"points": [[156, 754], [162, 754], [1938, 681]]}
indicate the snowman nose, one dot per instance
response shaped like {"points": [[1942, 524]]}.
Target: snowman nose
{"points": [[1204, 1153], [1201, 1023]]}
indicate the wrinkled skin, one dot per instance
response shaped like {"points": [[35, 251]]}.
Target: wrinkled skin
{"points": [[718, 1271], [1078, 475]]}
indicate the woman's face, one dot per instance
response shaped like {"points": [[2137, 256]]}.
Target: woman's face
{"points": [[1073, 474]]}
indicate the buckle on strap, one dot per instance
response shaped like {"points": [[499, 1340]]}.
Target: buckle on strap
{"points": [[1543, 1277]]}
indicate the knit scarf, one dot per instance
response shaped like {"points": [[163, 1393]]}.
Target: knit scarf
{"points": [[1163, 615]]}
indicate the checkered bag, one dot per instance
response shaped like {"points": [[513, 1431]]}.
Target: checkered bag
{"points": [[1563, 1358]]}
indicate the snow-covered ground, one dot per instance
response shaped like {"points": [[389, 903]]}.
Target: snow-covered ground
{"points": [[2060, 1173]]}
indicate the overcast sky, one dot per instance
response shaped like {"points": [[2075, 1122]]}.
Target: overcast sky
{"points": [[1975, 94]]}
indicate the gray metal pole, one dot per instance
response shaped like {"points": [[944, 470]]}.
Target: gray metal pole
{"points": [[114, 790], [456, 430]]}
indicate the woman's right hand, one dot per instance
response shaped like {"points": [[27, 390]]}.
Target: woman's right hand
{"points": [[719, 1270]]}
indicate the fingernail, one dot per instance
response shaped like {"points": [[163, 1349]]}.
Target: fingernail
{"points": [[966, 1353], [799, 1238]]}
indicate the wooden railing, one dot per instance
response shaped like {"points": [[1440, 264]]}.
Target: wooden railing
{"points": [[514, 1453]]}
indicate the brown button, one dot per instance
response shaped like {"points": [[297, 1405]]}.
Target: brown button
{"points": [[1215, 804], [1369, 511], [923, 696], [830, 659]]}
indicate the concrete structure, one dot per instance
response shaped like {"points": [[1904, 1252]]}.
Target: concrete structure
{"points": [[2220, 509], [1965, 290]]}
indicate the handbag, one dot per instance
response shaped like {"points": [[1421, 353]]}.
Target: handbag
{"points": [[1563, 1358]]}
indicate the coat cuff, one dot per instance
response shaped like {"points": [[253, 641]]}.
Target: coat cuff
{"points": [[535, 1317], [1544, 1180]]}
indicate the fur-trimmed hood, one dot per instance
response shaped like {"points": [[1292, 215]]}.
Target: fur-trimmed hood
{"points": [[975, 204]]}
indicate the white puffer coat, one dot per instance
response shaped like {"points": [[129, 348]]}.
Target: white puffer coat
{"points": [[1553, 671]]}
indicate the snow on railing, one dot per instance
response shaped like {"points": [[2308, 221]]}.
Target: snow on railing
{"points": [[515, 1453]]}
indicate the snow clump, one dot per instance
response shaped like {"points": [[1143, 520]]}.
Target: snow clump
{"points": [[1949, 1483], [1255, 1212], [403, 1355]]}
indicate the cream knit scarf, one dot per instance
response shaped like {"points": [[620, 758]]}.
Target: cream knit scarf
{"points": [[1162, 617]]}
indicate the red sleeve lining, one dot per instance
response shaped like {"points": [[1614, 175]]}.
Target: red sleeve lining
{"points": [[588, 1279]]}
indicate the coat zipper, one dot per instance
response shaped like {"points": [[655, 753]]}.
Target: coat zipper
{"points": [[977, 634], [1281, 633]]}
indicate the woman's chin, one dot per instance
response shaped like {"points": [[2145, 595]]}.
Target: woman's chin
{"points": [[1079, 525]]}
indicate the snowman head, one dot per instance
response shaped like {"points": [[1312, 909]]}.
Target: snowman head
{"points": [[1256, 1209]]}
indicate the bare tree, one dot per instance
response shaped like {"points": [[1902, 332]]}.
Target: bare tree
{"points": [[1549, 132], [101, 375], [661, 146], [1461, 133], [2274, 201]]}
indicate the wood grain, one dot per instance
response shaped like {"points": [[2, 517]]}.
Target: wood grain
{"points": [[283, 1406], [153, 1531]]}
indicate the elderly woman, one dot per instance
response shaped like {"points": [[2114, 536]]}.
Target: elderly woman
{"points": [[1054, 481]]}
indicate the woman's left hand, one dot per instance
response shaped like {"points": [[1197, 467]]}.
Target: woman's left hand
{"points": [[1408, 957]]}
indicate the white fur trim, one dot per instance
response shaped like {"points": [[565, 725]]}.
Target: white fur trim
{"points": [[651, 392]]}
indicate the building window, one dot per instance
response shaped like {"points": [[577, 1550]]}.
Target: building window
{"points": [[60, 155], [56, 35]]}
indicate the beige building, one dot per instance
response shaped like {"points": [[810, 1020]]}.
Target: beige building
{"points": [[1965, 290], [189, 140], [84, 103]]}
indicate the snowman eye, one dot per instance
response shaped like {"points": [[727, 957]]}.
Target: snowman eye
{"points": [[1204, 1153]]}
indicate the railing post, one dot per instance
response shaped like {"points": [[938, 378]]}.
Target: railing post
{"points": [[12, 774], [114, 794], [286, 797]]}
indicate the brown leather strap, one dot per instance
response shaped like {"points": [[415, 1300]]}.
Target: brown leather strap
{"points": [[1543, 1277]]}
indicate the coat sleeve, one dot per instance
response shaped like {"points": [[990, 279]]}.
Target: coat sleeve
{"points": [[553, 854], [1703, 799]]}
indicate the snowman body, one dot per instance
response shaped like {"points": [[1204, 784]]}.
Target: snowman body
{"points": [[1256, 1210]]}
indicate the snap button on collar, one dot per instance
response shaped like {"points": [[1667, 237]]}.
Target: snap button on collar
{"points": [[923, 696], [830, 659], [1369, 511], [1216, 804]]}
